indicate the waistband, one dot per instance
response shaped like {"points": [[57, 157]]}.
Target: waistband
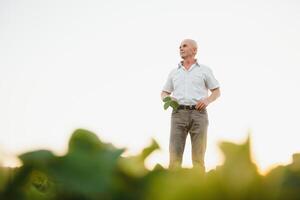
{"points": [[187, 107]]}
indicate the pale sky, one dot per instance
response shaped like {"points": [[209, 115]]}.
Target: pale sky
{"points": [[101, 65]]}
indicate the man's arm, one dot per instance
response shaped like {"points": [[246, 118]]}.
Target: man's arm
{"points": [[203, 103]]}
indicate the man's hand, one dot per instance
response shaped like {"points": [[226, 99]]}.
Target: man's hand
{"points": [[203, 103]]}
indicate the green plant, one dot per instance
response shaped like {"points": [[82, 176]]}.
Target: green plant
{"points": [[168, 101], [94, 170]]}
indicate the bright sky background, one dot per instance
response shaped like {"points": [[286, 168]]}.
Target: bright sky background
{"points": [[101, 65]]}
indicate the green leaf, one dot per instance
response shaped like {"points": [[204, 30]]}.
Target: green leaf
{"points": [[167, 104], [84, 140], [86, 173], [238, 170], [148, 150], [38, 158], [88, 168], [134, 165], [167, 98], [174, 105]]}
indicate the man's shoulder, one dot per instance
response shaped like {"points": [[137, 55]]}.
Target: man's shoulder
{"points": [[204, 66], [174, 70]]}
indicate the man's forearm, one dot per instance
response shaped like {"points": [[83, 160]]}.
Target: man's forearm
{"points": [[214, 95]]}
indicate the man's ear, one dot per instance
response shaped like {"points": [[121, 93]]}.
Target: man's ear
{"points": [[195, 51]]}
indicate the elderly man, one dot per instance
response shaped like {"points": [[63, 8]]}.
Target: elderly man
{"points": [[189, 84]]}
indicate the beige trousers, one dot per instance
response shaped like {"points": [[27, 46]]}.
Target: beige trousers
{"points": [[195, 123]]}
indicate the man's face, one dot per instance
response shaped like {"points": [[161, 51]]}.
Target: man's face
{"points": [[187, 49]]}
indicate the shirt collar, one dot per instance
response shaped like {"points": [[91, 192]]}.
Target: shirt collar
{"points": [[181, 65]]}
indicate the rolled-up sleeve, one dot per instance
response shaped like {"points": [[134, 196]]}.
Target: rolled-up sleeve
{"points": [[168, 87], [210, 81]]}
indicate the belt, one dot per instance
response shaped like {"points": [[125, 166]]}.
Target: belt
{"points": [[187, 107]]}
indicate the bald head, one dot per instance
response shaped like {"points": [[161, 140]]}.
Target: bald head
{"points": [[188, 48], [193, 43]]}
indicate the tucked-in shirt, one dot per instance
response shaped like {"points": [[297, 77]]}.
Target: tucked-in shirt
{"points": [[189, 86]]}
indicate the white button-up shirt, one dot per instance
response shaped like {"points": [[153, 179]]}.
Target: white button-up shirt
{"points": [[189, 86]]}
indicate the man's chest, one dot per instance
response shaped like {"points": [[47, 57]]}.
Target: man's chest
{"points": [[194, 78]]}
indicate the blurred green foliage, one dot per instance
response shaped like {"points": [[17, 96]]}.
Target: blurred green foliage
{"points": [[94, 170]]}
